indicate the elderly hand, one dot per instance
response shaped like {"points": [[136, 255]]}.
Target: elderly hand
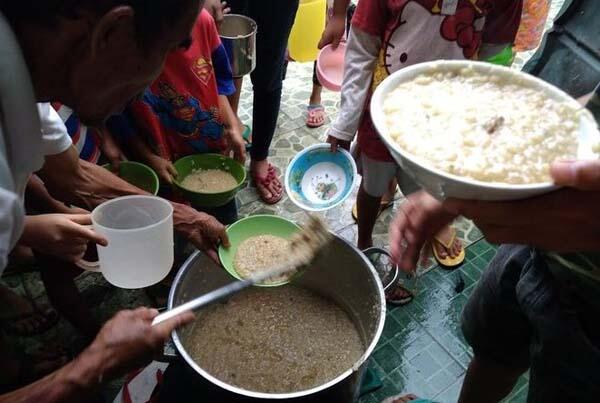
{"points": [[334, 32], [420, 217], [62, 235], [129, 341], [201, 229], [562, 221]]}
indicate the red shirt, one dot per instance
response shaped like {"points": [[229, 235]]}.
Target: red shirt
{"points": [[417, 31], [180, 111]]}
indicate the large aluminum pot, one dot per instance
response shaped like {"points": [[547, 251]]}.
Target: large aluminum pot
{"points": [[341, 273], [238, 35]]}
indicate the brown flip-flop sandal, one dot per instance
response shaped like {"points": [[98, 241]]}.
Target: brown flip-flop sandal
{"points": [[448, 263]]}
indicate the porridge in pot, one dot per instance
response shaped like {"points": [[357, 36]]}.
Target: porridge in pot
{"points": [[209, 181], [277, 340], [485, 127]]}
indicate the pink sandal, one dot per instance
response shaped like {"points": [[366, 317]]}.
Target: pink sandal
{"points": [[263, 183], [316, 116]]}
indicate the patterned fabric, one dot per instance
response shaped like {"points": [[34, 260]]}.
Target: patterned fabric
{"points": [[533, 21], [86, 140], [416, 31], [180, 111]]}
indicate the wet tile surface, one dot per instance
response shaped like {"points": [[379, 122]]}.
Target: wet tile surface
{"points": [[422, 349]]}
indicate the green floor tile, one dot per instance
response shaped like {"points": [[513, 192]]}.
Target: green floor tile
{"points": [[387, 358], [370, 398], [470, 254], [388, 389], [442, 381], [409, 347], [489, 255], [408, 380], [425, 364], [450, 394], [520, 397], [479, 248], [469, 269], [479, 263], [391, 327]]}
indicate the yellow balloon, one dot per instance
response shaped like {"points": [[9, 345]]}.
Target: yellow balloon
{"points": [[307, 30]]}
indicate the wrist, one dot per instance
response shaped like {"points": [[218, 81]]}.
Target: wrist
{"points": [[30, 228], [186, 219], [93, 366], [85, 373]]}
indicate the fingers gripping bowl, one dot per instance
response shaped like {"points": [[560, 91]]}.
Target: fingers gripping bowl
{"points": [[473, 130]]}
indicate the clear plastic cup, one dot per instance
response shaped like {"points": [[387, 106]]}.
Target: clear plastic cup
{"points": [[139, 230]]}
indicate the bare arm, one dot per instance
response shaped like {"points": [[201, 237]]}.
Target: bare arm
{"points": [[73, 180], [127, 341], [232, 130], [39, 199], [361, 58], [336, 26], [72, 383]]}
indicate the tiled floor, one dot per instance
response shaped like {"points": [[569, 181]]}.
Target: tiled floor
{"points": [[422, 349]]}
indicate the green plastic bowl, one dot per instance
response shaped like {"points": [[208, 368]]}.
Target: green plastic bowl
{"points": [[249, 227], [139, 175], [186, 165]]}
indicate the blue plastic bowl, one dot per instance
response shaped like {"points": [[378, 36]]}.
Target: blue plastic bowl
{"points": [[317, 179]]}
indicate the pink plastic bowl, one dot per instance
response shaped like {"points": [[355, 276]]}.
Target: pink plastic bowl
{"points": [[330, 67]]}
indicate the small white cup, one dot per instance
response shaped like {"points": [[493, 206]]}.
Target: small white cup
{"points": [[139, 230]]}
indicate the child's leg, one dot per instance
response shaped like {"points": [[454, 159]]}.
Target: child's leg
{"points": [[315, 96], [367, 211], [376, 177], [316, 113], [58, 277], [234, 99]]}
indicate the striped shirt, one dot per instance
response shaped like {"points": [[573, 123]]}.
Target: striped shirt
{"points": [[86, 140]]}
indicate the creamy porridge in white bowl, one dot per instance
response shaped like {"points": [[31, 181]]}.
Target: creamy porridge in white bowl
{"points": [[473, 130]]}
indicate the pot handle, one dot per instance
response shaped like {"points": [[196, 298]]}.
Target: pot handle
{"points": [[394, 280], [169, 352]]}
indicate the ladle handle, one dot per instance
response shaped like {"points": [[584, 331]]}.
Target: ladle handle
{"points": [[203, 300], [219, 294]]}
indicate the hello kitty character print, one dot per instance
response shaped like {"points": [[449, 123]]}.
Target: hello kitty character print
{"points": [[417, 31]]}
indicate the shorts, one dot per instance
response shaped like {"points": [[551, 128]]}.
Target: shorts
{"points": [[378, 174], [521, 317]]}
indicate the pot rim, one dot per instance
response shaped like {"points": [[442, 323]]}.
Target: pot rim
{"points": [[278, 396], [252, 23]]}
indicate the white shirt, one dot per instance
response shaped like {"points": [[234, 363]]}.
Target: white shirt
{"points": [[21, 154]]}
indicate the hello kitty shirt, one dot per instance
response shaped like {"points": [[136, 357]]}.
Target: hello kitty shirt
{"points": [[388, 35]]}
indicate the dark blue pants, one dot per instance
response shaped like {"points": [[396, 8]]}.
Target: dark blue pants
{"points": [[274, 19]]}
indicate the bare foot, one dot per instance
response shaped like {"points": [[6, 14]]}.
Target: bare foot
{"points": [[454, 249], [267, 181]]}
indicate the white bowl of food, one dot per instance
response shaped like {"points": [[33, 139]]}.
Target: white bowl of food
{"points": [[473, 130]]}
